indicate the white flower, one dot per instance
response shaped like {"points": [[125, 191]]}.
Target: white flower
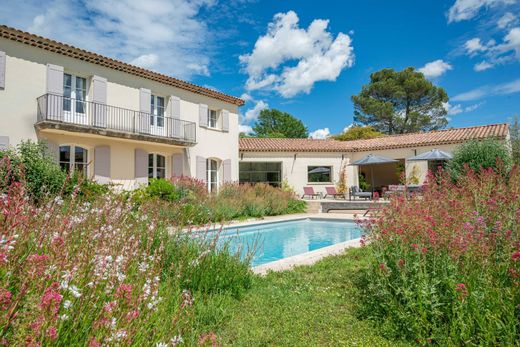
{"points": [[67, 304], [119, 259], [177, 340], [75, 291], [143, 267], [113, 323], [121, 276], [64, 317], [161, 344], [64, 285]]}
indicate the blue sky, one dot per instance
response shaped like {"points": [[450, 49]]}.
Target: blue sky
{"points": [[303, 57]]}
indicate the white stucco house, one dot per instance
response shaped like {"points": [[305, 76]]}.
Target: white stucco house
{"points": [[274, 161], [113, 121]]}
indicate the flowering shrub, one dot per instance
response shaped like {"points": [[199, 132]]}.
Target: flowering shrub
{"points": [[98, 273], [445, 267]]}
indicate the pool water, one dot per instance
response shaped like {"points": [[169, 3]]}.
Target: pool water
{"points": [[275, 241]]}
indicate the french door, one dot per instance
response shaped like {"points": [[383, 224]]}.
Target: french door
{"points": [[157, 117], [74, 99]]}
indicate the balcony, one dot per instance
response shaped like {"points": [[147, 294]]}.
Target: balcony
{"points": [[68, 114]]}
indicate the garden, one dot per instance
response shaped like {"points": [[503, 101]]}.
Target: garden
{"points": [[83, 265]]}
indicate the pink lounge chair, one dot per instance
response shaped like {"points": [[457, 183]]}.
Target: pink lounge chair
{"points": [[309, 191], [333, 192]]}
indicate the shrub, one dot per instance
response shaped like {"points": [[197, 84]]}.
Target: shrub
{"points": [[445, 267], [31, 162], [162, 189], [477, 155]]}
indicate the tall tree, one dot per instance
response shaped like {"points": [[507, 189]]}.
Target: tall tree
{"points": [[275, 123], [358, 133], [398, 102]]}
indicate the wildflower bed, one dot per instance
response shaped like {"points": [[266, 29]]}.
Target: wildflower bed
{"points": [[445, 267]]}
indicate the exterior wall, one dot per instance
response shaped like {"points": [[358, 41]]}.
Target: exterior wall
{"points": [[294, 166], [26, 81]]}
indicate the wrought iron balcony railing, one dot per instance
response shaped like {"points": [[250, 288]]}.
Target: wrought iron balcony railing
{"points": [[57, 108]]}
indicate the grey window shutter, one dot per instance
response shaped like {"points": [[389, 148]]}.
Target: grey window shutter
{"points": [[175, 114], [226, 168], [225, 120], [4, 142], [203, 115], [2, 70], [54, 88], [145, 105], [53, 151], [177, 165], [102, 161], [99, 98], [141, 164], [201, 168]]}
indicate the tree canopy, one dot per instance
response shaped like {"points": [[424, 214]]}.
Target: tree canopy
{"points": [[398, 102], [358, 133], [275, 123]]}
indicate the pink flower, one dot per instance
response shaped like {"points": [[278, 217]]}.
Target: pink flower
{"points": [[132, 315], [124, 291], [516, 256], [460, 287], [401, 262], [5, 298], [382, 266], [37, 264], [94, 343], [52, 333], [51, 299]]}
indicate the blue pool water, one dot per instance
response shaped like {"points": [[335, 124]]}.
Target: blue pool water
{"points": [[274, 241]]}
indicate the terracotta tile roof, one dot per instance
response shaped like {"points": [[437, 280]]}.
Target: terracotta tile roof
{"points": [[94, 58], [439, 137]]}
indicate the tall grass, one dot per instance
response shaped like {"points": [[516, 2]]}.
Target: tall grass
{"points": [[102, 272], [445, 267]]}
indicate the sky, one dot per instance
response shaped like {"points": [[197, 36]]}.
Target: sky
{"points": [[306, 58]]}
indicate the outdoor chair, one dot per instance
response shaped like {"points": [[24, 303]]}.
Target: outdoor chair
{"points": [[394, 189], [333, 192], [356, 192], [309, 191]]}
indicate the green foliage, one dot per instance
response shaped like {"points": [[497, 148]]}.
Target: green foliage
{"points": [[162, 189], [363, 184], [278, 124], [398, 102], [31, 163], [477, 155], [358, 133], [308, 306], [514, 131]]}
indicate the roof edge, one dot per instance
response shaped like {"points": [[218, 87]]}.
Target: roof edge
{"points": [[74, 52]]}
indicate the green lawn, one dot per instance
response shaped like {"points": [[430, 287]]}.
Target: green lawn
{"points": [[310, 306]]}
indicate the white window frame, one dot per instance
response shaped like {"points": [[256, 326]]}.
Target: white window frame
{"points": [[72, 115], [156, 113], [71, 163], [209, 172], [154, 166], [213, 121]]}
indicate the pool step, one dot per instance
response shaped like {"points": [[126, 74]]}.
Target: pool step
{"points": [[313, 206]]}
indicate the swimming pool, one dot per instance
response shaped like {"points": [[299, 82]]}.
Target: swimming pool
{"points": [[279, 240]]}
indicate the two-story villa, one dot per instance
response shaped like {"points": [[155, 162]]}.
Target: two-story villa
{"points": [[113, 121]]}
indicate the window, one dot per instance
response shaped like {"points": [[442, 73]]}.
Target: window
{"points": [[157, 109], [156, 166], [74, 93], [212, 175], [264, 172], [317, 174], [74, 158], [212, 118]]}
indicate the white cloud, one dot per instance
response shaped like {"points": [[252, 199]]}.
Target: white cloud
{"points": [[467, 9], [506, 20], [318, 56], [348, 127], [499, 89], [320, 133], [246, 129], [482, 66], [511, 42], [474, 45], [164, 35], [252, 114], [435, 68], [458, 108]]}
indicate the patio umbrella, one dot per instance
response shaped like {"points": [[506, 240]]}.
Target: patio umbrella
{"points": [[434, 154], [373, 160]]}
